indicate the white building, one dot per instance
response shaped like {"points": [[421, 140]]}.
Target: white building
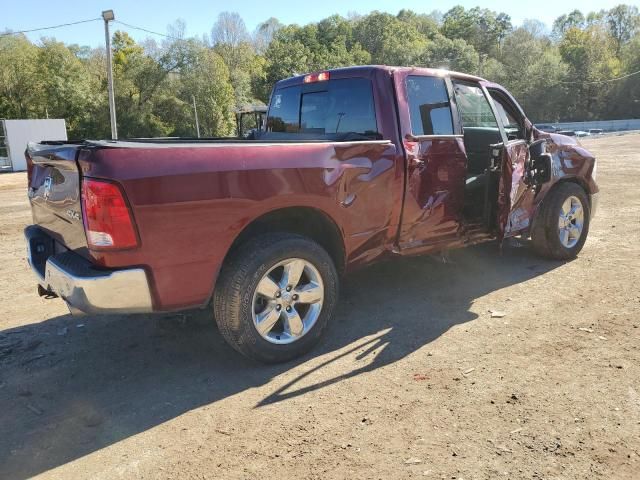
{"points": [[15, 134]]}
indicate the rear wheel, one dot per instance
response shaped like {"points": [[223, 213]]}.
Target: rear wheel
{"points": [[562, 224], [275, 297]]}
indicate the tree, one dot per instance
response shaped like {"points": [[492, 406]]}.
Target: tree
{"points": [[229, 29], [625, 102], [534, 71], [482, 28], [427, 25], [623, 22], [232, 42], [563, 23], [66, 88], [207, 79], [456, 54], [536, 28], [287, 55], [295, 50], [590, 55], [20, 83], [388, 40], [264, 33]]}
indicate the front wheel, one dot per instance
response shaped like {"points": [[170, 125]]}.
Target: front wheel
{"points": [[562, 224], [275, 297]]}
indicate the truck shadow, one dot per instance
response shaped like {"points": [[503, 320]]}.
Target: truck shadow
{"points": [[70, 387]]}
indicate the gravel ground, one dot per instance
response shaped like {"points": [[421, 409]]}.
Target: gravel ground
{"points": [[416, 378]]}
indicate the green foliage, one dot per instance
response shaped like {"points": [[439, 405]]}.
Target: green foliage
{"points": [[20, 82], [482, 28], [537, 68], [563, 23], [626, 95], [623, 22], [590, 56], [295, 50], [456, 54], [208, 81], [426, 25], [559, 75], [66, 89], [389, 40]]}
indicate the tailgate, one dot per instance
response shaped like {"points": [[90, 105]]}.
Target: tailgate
{"points": [[54, 192]]}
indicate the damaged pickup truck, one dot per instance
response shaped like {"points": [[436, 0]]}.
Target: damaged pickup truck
{"points": [[353, 165]]}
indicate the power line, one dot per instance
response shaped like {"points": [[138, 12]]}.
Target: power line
{"points": [[147, 31], [50, 27], [603, 81], [87, 21]]}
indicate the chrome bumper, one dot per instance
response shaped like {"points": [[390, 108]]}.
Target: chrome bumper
{"points": [[593, 201], [81, 285]]}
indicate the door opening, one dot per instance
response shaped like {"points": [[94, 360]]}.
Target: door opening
{"points": [[483, 143]]}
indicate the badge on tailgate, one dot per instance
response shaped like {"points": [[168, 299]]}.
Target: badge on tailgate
{"points": [[47, 187]]}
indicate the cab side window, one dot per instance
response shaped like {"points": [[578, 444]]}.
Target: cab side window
{"points": [[508, 117], [429, 108], [474, 108]]}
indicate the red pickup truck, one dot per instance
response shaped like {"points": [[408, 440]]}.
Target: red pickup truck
{"points": [[353, 165]]}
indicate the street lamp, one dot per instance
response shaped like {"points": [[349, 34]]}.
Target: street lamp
{"points": [[108, 16]]}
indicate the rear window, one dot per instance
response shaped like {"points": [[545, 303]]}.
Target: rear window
{"points": [[325, 110]]}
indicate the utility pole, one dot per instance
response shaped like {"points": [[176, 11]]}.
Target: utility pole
{"points": [[195, 112], [108, 16]]}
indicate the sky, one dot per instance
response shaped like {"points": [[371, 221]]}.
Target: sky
{"points": [[200, 15]]}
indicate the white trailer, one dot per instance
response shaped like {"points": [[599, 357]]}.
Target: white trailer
{"points": [[15, 134]]}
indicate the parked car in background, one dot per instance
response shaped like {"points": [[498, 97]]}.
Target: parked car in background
{"points": [[355, 165], [566, 133], [582, 133], [595, 131]]}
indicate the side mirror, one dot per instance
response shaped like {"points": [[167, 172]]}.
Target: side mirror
{"points": [[537, 148]]}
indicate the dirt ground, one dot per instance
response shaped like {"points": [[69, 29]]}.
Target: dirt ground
{"points": [[415, 379]]}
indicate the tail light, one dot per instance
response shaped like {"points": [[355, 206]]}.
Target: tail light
{"points": [[107, 219]]}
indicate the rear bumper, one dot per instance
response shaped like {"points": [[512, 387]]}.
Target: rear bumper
{"points": [[80, 284]]}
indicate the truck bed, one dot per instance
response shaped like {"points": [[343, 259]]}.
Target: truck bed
{"points": [[190, 198]]}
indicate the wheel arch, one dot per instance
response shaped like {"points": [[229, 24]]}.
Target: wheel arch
{"points": [[307, 221], [573, 179]]}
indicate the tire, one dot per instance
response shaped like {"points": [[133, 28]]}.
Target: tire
{"points": [[238, 303], [548, 238]]}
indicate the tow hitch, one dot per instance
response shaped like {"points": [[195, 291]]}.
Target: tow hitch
{"points": [[47, 294]]}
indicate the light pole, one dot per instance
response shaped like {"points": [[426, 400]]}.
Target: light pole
{"points": [[195, 112], [108, 16]]}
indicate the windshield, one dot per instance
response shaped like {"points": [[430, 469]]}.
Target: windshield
{"points": [[337, 109]]}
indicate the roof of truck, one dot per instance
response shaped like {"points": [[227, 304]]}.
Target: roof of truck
{"points": [[366, 70]]}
